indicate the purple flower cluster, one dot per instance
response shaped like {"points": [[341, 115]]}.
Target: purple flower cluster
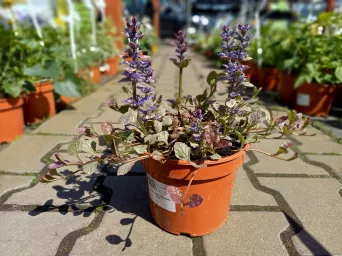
{"points": [[234, 47], [181, 47], [138, 71], [196, 127]]}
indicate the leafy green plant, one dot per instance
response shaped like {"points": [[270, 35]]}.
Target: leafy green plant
{"points": [[190, 128]]}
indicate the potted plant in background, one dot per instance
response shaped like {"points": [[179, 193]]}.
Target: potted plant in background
{"points": [[192, 146], [320, 75], [106, 41], [13, 83], [267, 73]]}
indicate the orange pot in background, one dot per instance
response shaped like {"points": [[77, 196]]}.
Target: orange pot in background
{"points": [[112, 66], [315, 99], [11, 119], [268, 78], [251, 70], [40, 104], [214, 183], [286, 88], [95, 74]]}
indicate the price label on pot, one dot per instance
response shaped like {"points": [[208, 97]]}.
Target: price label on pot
{"points": [[303, 99], [159, 195]]}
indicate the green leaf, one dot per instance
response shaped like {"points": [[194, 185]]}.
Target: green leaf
{"points": [[125, 168], [194, 144], [28, 86], [129, 118], [13, 89], [163, 137], [158, 126], [241, 139], [151, 139], [89, 146], [299, 81], [50, 70], [90, 168], [157, 155], [182, 151], [212, 78], [338, 73], [66, 88], [248, 84], [74, 146], [215, 157], [167, 121], [140, 149]]}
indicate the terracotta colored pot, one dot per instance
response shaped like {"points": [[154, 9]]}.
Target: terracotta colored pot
{"points": [[268, 78], [214, 183], [286, 88], [315, 99], [40, 104], [112, 66], [251, 70], [11, 119], [95, 74]]}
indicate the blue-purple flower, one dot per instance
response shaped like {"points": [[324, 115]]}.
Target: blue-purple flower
{"points": [[181, 47]]}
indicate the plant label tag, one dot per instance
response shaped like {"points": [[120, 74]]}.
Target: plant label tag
{"points": [[91, 73], [303, 99], [159, 195]]}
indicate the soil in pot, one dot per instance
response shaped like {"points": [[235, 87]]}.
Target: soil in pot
{"points": [[112, 66], [40, 104], [268, 78], [286, 88], [11, 119], [214, 183], [315, 99]]}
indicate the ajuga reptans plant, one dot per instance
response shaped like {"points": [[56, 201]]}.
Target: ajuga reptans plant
{"points": [[194, 129]]}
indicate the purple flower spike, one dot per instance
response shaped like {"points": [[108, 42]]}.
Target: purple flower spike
{"points": [[181, 47]]}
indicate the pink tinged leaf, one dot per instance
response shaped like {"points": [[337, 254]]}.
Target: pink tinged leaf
{"points": [[106, 128], [175, 194], [286, 145], [223, 143], [56, 165], [195, 200], [145, 57], [128, 69]]}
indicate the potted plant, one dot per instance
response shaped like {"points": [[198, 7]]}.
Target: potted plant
{"points": [[13, 83], [191, 148], [266, 73], [106, 41], [320, 76]]}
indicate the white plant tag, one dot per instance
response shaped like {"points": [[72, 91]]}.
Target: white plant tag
{"points": [[303, 99], [159, 195], [91, 73]]}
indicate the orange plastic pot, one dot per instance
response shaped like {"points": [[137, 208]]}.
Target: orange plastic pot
{"points": [[112, 66], [214, 183], [286, 88], [268, 78], [40, 104], [95, 74], [251, 70], [11, 119], [315, 99]]}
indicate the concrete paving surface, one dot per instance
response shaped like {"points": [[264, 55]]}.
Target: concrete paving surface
{"points": [[278, 208]]}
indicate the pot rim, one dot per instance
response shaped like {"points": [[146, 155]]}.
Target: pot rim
{"points": [[213, 162]]}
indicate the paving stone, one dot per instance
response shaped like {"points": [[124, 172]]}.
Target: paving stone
{"points": [[11, 182], [34, 233], [76, 190], [25, 154], [130, 211], [267, 164], [320, 143], [141, 237], [334, 161], [65, 122], [92, 103], [108, 115], [245, 194], [317, 203], [248, 233]]}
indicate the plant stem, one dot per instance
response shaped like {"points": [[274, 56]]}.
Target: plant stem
{"points": [[134, 89], [180, 91], [186, 191]]}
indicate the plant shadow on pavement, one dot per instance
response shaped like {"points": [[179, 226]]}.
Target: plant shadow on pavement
{"points": [[82, 195]]}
